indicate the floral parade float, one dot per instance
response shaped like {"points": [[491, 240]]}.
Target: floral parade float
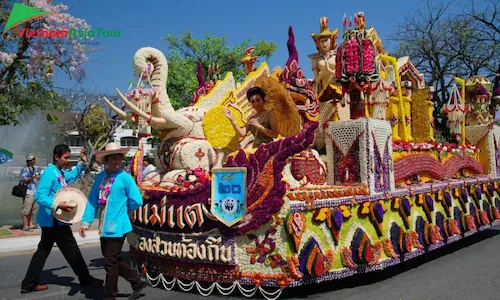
{"points": [[297, 218]]}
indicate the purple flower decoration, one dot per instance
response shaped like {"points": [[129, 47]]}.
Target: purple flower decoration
{"points": [[430, 203], [465, 196], [379, 212], [337, 218], [447, 199], [406, 206], [262, 249], [105, 190]]}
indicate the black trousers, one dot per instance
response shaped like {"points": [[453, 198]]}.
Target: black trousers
{"points": [[116, 266], [63, 237]]}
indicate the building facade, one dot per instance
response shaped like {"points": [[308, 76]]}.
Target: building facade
{"points": [[123, 136]]}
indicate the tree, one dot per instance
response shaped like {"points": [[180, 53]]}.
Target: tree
{"points": [[443, 44], [487, 21], [91, 117], [25, 59], [29, 99], [186, 51]]}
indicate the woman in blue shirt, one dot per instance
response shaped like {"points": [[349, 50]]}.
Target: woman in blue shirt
{"points": [[51, 181], [114, 194]]}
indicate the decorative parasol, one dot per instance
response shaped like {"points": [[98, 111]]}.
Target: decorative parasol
{"points": [[5, 156], [279, 100]]}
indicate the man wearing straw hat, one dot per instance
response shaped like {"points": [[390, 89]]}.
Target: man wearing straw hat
{"points": [[114, 194], [53, 181]]}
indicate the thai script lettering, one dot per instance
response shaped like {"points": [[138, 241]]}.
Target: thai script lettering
{"points": [[180, 217], [211, 249], [229, 188]]}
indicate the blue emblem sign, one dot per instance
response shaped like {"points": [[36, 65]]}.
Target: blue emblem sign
{"points": [[229, 202]]}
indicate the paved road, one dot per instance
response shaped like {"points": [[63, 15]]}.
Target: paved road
{"points": [[468, 269]]}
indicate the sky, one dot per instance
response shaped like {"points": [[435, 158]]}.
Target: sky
{"points": [[144, 23]]}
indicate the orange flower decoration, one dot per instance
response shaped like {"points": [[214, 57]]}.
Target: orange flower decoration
{"points": [[283, 281], [257, 280]]}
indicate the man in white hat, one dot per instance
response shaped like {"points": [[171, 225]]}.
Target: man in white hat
{"points": [[115, 194]]}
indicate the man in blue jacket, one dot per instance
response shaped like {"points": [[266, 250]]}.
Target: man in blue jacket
{"points": [[52, 180], [114, 194]]}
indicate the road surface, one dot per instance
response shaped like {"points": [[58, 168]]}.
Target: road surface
{"points": [[467, 269]]}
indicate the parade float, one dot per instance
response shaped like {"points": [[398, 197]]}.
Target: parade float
{"points": [[222, 216]]}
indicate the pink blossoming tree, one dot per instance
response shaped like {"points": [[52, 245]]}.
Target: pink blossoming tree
{"points": [[25, 59]]}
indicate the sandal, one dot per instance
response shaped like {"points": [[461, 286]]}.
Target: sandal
{"points": [[26, 229], [35, 226]]}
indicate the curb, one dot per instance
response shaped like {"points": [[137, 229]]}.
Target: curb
{"points": [[31, 242]]}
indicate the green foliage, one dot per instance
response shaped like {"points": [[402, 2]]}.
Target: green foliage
{"points": [[20, 99], [186, 51], [96, 124]]}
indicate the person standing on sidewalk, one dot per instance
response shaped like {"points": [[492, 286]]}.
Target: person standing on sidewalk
{"points": [[52, 180], [114, 194], [29, 177]]}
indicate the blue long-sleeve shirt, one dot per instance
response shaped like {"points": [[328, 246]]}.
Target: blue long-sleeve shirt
{"points": [[48, 186], [124, 197]]}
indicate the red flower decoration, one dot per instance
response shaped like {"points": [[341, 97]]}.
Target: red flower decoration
{"points": [[257, 280], [283, 281]]}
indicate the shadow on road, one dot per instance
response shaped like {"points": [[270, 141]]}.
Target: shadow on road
{"points": [[98, 263], [48, 277], [377, 276]]}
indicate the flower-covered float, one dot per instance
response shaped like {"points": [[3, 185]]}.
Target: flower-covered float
{"points": [[385, 191]]}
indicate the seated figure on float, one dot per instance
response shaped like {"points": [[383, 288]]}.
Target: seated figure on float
{"points": [[276, 117], [262, 122]]}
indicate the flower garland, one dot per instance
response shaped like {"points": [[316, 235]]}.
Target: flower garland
{"points": [[136, 164], [351, 53], [105, 190], [433, 146], [61, 180], [368, 56], [193, 178]]}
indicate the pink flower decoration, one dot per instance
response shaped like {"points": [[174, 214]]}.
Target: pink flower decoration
{"points": [[368, 56]]}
